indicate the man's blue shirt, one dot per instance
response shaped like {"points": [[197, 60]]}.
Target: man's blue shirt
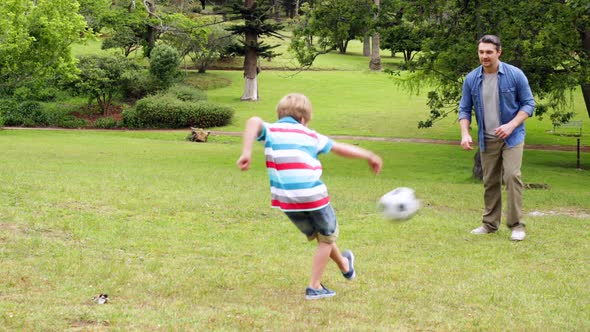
{"points": [[515, 95]]}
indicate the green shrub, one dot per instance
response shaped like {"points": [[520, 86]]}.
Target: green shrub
{"points": [[25, 114], [61, 118], [1, 121], [165, 111], [187, 93], [136, 84], [107, 122], [165, 66]]}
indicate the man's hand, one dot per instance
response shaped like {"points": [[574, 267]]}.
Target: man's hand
{"points": [[504, 130], [466, 142]]}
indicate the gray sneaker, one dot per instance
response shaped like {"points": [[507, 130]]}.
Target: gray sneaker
{"points": [[315, 294], [481, 230], [518, 234], [350, 256]]}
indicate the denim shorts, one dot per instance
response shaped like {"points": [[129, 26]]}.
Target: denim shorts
{"points": [[318, 224]]}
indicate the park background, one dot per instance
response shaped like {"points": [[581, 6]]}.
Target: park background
{"points": [[180, 239]]}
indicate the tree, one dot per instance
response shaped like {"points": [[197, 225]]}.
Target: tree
{"points": [[375, 63], [334, 23], [94, 11], [256, 16], [35, 40], [549, 49], [165, 66], [101, 77]]}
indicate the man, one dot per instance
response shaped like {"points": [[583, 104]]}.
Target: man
{"points": [[502, 99]]}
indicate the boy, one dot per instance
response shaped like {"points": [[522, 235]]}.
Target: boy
{"points": [[291, 150]]}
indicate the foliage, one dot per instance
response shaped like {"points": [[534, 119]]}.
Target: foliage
{"points": [[334, 23], [101, 77], [166, 111], [399, 34], [186, 93], [257, 21], [136, 84], [548, 49], [23, 114], [94, 12], [165, 66], [107, 122], [127, 28], [218, 44], [186, 34], [35, 41]]}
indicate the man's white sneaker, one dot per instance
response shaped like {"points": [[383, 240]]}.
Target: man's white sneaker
{"points": [[518, 234], [480, 230]]}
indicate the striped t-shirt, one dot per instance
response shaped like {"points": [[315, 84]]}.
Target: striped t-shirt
{"points": [[291, 152]]}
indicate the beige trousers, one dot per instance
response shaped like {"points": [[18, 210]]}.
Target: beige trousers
{"points": [[501, 163]]}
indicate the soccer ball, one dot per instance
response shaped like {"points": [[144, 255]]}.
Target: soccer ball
{"points": [[398, 204]]}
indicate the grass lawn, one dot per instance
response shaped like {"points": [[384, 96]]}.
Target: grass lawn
{"points": [[181, 240]]}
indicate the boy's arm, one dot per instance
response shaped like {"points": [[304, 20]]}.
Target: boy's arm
{"points": [[351, 151], [253, 129]]}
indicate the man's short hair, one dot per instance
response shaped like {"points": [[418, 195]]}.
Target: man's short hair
{"points": [[491, 39]]}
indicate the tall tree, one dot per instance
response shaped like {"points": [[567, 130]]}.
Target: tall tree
{"points": [[375, 63], [256, 17], [328, 26], [35, 41]]}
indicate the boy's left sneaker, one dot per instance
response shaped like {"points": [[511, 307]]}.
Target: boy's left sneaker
{"points": [[350, 256], [315, 294]]}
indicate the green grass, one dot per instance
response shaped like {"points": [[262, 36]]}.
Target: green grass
{"points": [[183, 241]]}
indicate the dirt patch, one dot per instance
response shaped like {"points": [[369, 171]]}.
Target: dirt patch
{"points": [[579, 214], [92, 113]]}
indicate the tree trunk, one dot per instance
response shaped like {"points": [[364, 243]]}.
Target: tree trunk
{"points": [[151, 32], [366, 45], [375, 63], [297, 4], [585, 35], [276, 6], [250, 64]]}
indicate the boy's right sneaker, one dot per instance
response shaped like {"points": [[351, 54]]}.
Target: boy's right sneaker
{"points": [[350, 256], [315, 294]]}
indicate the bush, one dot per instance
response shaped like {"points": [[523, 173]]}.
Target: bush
{"points": [[25, 114], [1, 121], [62, 119], [136, 85], [165, 111], [187, 93], [165, 66], [106, 123]]}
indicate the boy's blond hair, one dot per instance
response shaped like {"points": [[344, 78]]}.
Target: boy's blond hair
{"points": [[295, 105]]}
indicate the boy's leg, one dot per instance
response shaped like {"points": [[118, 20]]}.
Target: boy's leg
{"points": [[337, 257], [320, 260]]}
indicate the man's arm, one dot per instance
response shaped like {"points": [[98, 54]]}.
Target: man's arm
{"points": [[506, 129], [351, 151], [466, 139]]}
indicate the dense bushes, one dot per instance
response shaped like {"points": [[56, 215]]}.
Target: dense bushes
{"points": [[26, 114], [167, 111], [33, 114]]}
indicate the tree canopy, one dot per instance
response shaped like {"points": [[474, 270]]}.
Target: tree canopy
{"points": [[35, 39], [544, 38]]}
